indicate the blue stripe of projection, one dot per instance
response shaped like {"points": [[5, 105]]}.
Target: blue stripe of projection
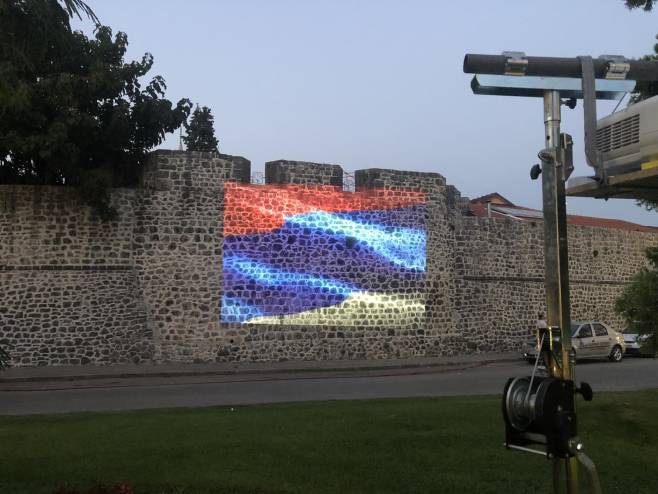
{"points": [[402, 246], [405, 217], [265, 275], [252, 289]]}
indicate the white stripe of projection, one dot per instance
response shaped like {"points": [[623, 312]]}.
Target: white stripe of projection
{"points": [[266, 275], [402, 246], [362, 309]]}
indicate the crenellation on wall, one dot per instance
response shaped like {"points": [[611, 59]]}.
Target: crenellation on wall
{"points": [[178, 248], [380, 177], [439, 285], [454, 201], [303, 173], [147, 287]]}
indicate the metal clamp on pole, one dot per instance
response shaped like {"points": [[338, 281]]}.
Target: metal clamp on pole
{"points": [[617, 67], [516, 63], [566, 155]]}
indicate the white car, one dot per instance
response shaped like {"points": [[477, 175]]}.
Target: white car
{"points": [[636, 344], [590, 340]]}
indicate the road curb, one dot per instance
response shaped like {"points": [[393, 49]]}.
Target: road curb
{"points": [[248, 371]]}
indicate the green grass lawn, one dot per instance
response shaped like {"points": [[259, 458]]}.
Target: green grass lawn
{"points": [[438, 445]]}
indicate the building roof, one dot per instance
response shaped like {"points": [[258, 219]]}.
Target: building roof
{"points": [[495, 205], [493, 198]]}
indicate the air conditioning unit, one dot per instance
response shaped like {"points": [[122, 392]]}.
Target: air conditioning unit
{"points": [[628, 140]]}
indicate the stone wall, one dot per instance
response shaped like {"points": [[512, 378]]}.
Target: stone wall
{"points": [[70, 292], [148, 286], [500, 276]]}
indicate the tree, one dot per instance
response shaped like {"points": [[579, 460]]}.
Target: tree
{"points": [[636, 4], [78, 7], [646, 89], [72, 111], [638, 304], [200, 131]]}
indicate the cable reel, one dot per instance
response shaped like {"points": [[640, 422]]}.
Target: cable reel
{"points": [[541, 411]]}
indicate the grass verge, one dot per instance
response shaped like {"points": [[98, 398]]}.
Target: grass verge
{"points": [[441, 445]]}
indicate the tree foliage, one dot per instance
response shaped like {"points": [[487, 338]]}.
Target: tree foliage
{"points": [[72, 111], [78, 7], [638, 304], [200, 131], [648, 204], [640, 4], [646, 89]]}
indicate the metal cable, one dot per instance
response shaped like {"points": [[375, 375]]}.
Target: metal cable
{"points": [[534, 368]]}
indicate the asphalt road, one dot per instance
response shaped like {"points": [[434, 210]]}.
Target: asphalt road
{"points": [[197, 391]]}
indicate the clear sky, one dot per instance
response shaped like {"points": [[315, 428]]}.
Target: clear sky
{"points": [[379, 83]]}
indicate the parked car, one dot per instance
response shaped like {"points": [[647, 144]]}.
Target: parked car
{"points": [[637, 344], [589, 339]]}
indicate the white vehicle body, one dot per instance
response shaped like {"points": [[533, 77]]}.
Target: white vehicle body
{"points": [[628, 140], [635, 342], [590, 340]]}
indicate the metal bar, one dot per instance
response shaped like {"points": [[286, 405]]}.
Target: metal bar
{"points": [[590, 468], [534, 86], [475, 63], [526, 450], [589, 113], [565, 470]]}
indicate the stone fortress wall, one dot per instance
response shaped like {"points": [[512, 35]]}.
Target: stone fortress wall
{"points": [[148, 286]]}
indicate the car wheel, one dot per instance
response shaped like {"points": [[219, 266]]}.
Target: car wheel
{"points": [[616, 354]]}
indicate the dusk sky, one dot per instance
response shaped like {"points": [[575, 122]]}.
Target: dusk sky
{"points": [[369, 84]]}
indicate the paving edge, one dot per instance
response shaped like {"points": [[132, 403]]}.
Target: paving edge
{"points": [[232, 372]]}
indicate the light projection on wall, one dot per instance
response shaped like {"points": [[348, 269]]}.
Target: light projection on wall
{"points": [[315, 255]]}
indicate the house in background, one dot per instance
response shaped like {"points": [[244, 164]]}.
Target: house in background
{"points": [[495, 205]]}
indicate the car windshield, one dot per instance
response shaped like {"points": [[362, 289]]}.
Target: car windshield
{"points": [[574, 328]]}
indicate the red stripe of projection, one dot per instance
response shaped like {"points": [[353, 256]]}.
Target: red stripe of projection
{"points": [[262, 208]]}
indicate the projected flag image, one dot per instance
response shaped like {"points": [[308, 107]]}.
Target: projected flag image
{"points": [[315, 255]]}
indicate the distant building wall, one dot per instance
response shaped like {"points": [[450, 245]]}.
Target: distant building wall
{"points": [[150, 285]]}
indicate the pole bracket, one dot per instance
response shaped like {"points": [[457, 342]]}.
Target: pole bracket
{"points": [[617, 67], [516, 63]]}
